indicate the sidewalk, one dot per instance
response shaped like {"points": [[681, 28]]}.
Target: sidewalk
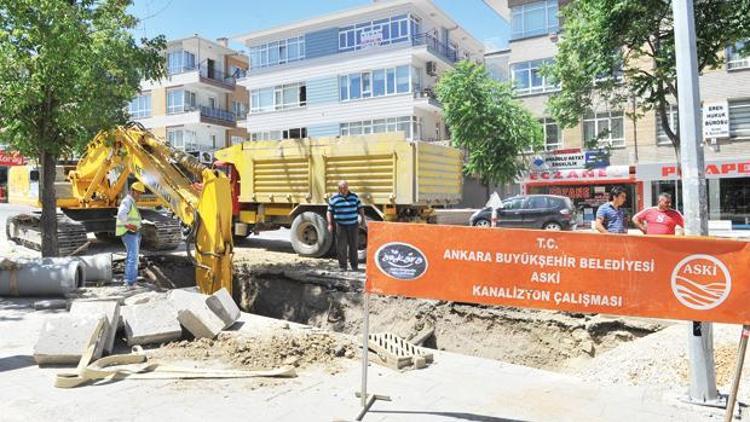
{"points": [[455, 388]]}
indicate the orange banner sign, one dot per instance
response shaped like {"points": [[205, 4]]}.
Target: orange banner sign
{"points": [[661, 277]]}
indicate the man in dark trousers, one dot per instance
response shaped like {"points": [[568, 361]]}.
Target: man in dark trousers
{"points": [[344, 208]]}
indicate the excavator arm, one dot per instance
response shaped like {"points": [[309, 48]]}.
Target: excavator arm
{"points": [[197, 195]]}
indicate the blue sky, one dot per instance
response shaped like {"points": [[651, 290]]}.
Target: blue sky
{"points": [[217, 18]]}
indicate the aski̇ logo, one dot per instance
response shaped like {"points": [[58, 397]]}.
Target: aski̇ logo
{"points": [[701, 282]]}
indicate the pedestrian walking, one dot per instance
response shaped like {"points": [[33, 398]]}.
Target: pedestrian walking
{"points": [[610, 217], [344, 209], [128, 226], [661, 219]]}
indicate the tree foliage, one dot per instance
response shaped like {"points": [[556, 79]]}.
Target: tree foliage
{"points": [[488, 123], [604, 39], [68, 69]]}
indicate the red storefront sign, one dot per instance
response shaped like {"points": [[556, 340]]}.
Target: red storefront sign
{"points": [[714, 170], [573, 175], [11, 158]]}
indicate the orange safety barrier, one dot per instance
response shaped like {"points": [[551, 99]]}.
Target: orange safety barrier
{"points": [[690, 278]]}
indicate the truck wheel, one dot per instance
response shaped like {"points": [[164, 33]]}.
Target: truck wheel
{"points": [[310, 235]]}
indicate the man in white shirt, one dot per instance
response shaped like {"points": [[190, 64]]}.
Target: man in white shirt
{"points": [[128, 227]]}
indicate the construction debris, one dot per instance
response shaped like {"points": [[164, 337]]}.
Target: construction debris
{"points": [[151, 322], [27, 277], [222, 304], [397, 353], [41, 305], [194, 314], [64, 338], [111, 309]]}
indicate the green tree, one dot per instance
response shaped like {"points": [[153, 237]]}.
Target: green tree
{"points": [[615, 51], [67, 70], [488, 123]]}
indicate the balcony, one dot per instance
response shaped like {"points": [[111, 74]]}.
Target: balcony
{"points": [[429, 97], [445, 51], [206, 75], [205, 114]]}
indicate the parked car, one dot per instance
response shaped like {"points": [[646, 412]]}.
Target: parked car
{"points": [[548, 212]]}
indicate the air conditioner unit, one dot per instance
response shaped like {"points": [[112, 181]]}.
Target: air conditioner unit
{"points": [[431, 68], [206, 157]]}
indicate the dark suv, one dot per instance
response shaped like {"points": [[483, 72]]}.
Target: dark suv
{"points": [[548, 212]]}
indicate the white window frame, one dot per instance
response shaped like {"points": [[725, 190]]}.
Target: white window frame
{"points": [[733, 106], [278, 102], [140, 106], [546, 121], [520, 11], [349, 39], [597, 120], [735, 61], [673, 117], [387, 125], [236, 140], [529, 67], [262, 52], [345, 93]]}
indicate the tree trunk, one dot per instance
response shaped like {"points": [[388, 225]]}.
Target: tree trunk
{"points": [[49, 204]]}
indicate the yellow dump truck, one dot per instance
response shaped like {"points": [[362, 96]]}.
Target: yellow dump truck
{"points": [[287, 183]]}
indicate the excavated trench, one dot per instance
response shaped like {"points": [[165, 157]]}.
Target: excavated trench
{"points": [[333, 301]]}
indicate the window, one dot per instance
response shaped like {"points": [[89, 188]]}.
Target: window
{"points": [[140, 106], [180, 61], [277, 52], [410, 125], [674, 124], [182, 139], [239, 109], [513, 204], [236, 140], [552, 134], [606, 128], [275, 135], [537, 203], [377, 83], [379, 32], [180, 101], [280, 97], [538, 18], [739, 119], [528, 79], [735, 60]]}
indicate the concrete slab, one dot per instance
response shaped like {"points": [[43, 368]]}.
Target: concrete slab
{"points": [[194, 314], [111, 309], [222, 304], [151, 322], [64, 337]]}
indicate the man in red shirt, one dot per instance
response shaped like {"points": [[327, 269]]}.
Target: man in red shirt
{"points": [[661, 219]]}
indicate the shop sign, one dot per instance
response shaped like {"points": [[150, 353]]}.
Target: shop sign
{"points": [[694, 279], [714, 170], [11, 158], [716, 120], [559, 160], [371, 38], [571, 175], [597, 159]]}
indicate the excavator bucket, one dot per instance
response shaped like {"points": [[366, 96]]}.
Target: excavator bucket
{"points": [[213, 239]]}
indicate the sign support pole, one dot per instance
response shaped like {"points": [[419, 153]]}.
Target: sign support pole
{"points": [[367, 399], [702, 372], [737, 373]]}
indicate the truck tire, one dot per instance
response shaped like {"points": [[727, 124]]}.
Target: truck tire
{"points": [[310, 236]]}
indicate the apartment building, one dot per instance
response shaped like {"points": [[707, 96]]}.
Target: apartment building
{"points": [[197, 106], [370, 69], [642, 158]]}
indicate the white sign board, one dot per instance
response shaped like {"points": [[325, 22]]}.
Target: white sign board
{"points": [[371, 38], [716, 120], [552, 161]]}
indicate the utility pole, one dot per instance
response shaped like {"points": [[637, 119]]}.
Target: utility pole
{"points": [[700, 337]]}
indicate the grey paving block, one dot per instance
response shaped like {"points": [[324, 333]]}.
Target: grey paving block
{"points": [[64, 337], [111, 309], [152, 322], [222, 304], [194, 314]]}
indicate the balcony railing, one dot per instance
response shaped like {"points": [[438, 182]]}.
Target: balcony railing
{"points": [[443, 50], [429, 94], [218, 114], [212, 75]]}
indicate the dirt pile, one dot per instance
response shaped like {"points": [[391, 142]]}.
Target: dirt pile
{"points": [[300, 349]]}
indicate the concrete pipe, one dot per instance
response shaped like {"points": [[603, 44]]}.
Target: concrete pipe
{"points": [[37, 278], [96, 267]]}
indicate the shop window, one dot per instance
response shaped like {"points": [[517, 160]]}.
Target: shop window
{"points": [[735, 59], [739, 119], [735, 201], [606, 129]]}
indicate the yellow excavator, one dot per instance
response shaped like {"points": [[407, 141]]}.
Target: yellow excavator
{"points": [[198, 196]]}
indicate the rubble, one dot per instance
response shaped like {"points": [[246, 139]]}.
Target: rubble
{"points": [[194, 314], [111, 309], [151, 322], [63, 338], [222, 304]]}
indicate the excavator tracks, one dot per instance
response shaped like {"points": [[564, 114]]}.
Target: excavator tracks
{"points": [[160, 232], [25, 230]]}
